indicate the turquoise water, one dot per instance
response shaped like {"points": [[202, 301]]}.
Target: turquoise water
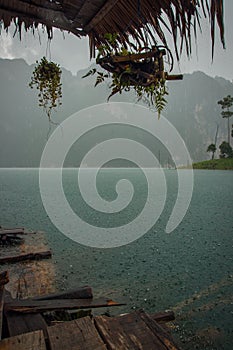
{"points": [[189, 270]]}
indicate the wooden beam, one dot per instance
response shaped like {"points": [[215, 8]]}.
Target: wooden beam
{"points": [[21, 229], [76, 293], [34, 10], [100, 15], [46, 4], [28, 256], [27, 341], [34, 306], [12, 232], [45, 17], [174, 77]]}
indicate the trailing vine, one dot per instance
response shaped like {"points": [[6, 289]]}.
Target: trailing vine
{"points": [[149, 87], [47, 79]]}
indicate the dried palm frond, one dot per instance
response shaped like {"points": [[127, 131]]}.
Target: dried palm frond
{"points": [[146, 21]]}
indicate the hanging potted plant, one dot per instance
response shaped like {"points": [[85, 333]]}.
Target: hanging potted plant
{"points": [[140, 69], [47, 79]]}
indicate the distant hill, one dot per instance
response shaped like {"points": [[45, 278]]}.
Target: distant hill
{"points": [[192, 108]]}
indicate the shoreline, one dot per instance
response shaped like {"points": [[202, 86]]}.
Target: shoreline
{"points": [[215, 164]]}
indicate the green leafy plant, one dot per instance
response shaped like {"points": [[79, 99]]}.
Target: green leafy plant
{"points": [[135, 74], [47, 79], [100, 76]]}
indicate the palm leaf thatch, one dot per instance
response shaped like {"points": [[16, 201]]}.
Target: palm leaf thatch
{"points": [[145, 21]]}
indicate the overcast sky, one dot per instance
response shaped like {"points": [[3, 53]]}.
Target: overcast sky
{"points": [[73, 53]]}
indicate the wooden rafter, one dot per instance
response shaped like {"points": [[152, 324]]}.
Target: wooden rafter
{"points": [[100, 15]]}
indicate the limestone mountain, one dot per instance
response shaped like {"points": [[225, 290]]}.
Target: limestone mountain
{"points": [[192, 108]]}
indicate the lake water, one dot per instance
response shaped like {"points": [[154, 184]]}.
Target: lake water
{"points": [[189, 270]]}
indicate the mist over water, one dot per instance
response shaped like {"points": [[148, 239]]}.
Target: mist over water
{"points": [[189, 270]]}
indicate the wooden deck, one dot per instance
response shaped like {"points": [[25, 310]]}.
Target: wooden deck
{"points": [[134, 331], [24, 327]]}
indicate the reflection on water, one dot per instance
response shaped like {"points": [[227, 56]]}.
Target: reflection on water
{"points": [[190, 270]]}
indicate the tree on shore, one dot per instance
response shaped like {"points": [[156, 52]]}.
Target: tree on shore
{"points": [[226, 103], [225, 150], [212, 148]]}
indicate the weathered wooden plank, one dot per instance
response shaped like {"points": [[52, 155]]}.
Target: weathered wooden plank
{"points": [[24, 323], [28, 256], [18, 323], [2, 290], [79, 334], [127, 332], [84, 292], [34, 306], [14, 231], [28, 341], [159, 331], [4, 278], [163, 317]]}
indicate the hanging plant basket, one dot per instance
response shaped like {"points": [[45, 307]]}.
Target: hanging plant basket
{"points": [[140, 69], [47, 79]]}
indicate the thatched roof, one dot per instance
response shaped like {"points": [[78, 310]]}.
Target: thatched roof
{"points": [[144, 20]]}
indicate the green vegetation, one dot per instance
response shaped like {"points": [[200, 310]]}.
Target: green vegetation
{"points": [[47, 79], [128, 71], [212, 148], [215, 164], [226, 103], [225, 150]]}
